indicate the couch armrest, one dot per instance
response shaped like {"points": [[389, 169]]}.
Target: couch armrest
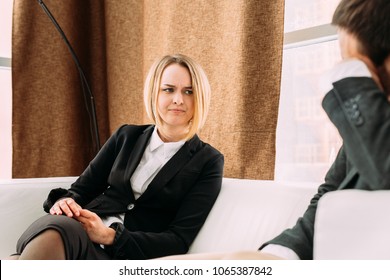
{"points": [[353, 224]]}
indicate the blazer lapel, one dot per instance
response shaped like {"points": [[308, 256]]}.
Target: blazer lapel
{"points": [[138, 151], [172, 167]]}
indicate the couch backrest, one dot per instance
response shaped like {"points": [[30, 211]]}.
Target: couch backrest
{"points": [[250, 212]]}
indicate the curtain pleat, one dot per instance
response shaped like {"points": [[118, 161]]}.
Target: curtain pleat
{"points": [[238, 43]]}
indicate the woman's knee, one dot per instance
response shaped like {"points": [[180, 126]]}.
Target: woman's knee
{"points": [[48, 245]]}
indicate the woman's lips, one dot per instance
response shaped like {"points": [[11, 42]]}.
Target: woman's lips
{"points": [[176, 110]]}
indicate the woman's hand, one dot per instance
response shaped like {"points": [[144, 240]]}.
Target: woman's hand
{"points": [[67, 206], [96, 230]]}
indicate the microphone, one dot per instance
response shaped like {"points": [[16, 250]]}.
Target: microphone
{"points": [[84, 83]]}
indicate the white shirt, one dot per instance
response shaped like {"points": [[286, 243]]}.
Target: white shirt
{"points": [[345, 69], [157, 153]]}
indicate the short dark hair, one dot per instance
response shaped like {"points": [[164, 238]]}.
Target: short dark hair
{"points": [[369, 21]]}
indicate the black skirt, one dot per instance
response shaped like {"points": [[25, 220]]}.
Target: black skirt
{"points": [[77, 244]]}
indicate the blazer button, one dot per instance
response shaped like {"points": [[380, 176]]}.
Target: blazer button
{"points": [[130, 206]]}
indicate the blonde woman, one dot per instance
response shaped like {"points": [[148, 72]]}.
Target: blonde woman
{"points": [[150, 188]]}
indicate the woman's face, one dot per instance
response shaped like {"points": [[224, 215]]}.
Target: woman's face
{"points": [[175, 101]]}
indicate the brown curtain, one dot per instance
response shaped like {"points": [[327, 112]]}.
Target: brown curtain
{"points": [[238, 42], [51, 134]]}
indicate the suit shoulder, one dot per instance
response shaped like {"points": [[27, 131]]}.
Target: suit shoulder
{"points": [[132, 129], [207, 148]]}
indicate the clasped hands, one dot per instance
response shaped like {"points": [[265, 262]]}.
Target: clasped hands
{"points": [[97, 231]]}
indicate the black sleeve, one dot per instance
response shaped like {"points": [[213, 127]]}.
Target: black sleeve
{"points": [[93, 181], [361, 113], [300, 237]]}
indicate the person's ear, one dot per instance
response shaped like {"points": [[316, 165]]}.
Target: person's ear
{"points": [[350, 46], [386, 64], [384, 75]]}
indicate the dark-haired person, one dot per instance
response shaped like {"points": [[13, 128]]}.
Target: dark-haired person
{"points": [[148, 191], [357, 102]]}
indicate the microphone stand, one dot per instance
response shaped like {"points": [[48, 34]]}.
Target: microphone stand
{"points": [[84, 83]]}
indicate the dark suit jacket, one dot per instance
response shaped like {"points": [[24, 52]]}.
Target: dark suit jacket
{"points": [[361, 113], [165, 219]]}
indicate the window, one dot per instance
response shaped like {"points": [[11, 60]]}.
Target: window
{"points": [[306, 141], [6, 90]]}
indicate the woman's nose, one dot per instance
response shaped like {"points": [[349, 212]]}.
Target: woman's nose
{"points": [[177, 98]]}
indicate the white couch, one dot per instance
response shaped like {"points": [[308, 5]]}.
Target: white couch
{"points": [[246, 214]]}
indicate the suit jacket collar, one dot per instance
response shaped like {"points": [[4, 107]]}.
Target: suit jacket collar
{"points": [[172, 167], [138, 150]]}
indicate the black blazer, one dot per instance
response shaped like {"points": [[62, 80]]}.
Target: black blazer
{"points": [[361, 113], [166, 218]]}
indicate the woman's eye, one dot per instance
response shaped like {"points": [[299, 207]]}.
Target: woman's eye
{"points": [[168, 89], [188, 91]]}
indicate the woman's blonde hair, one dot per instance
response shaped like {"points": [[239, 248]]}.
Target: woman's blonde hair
{"points": [[200, 87]]}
